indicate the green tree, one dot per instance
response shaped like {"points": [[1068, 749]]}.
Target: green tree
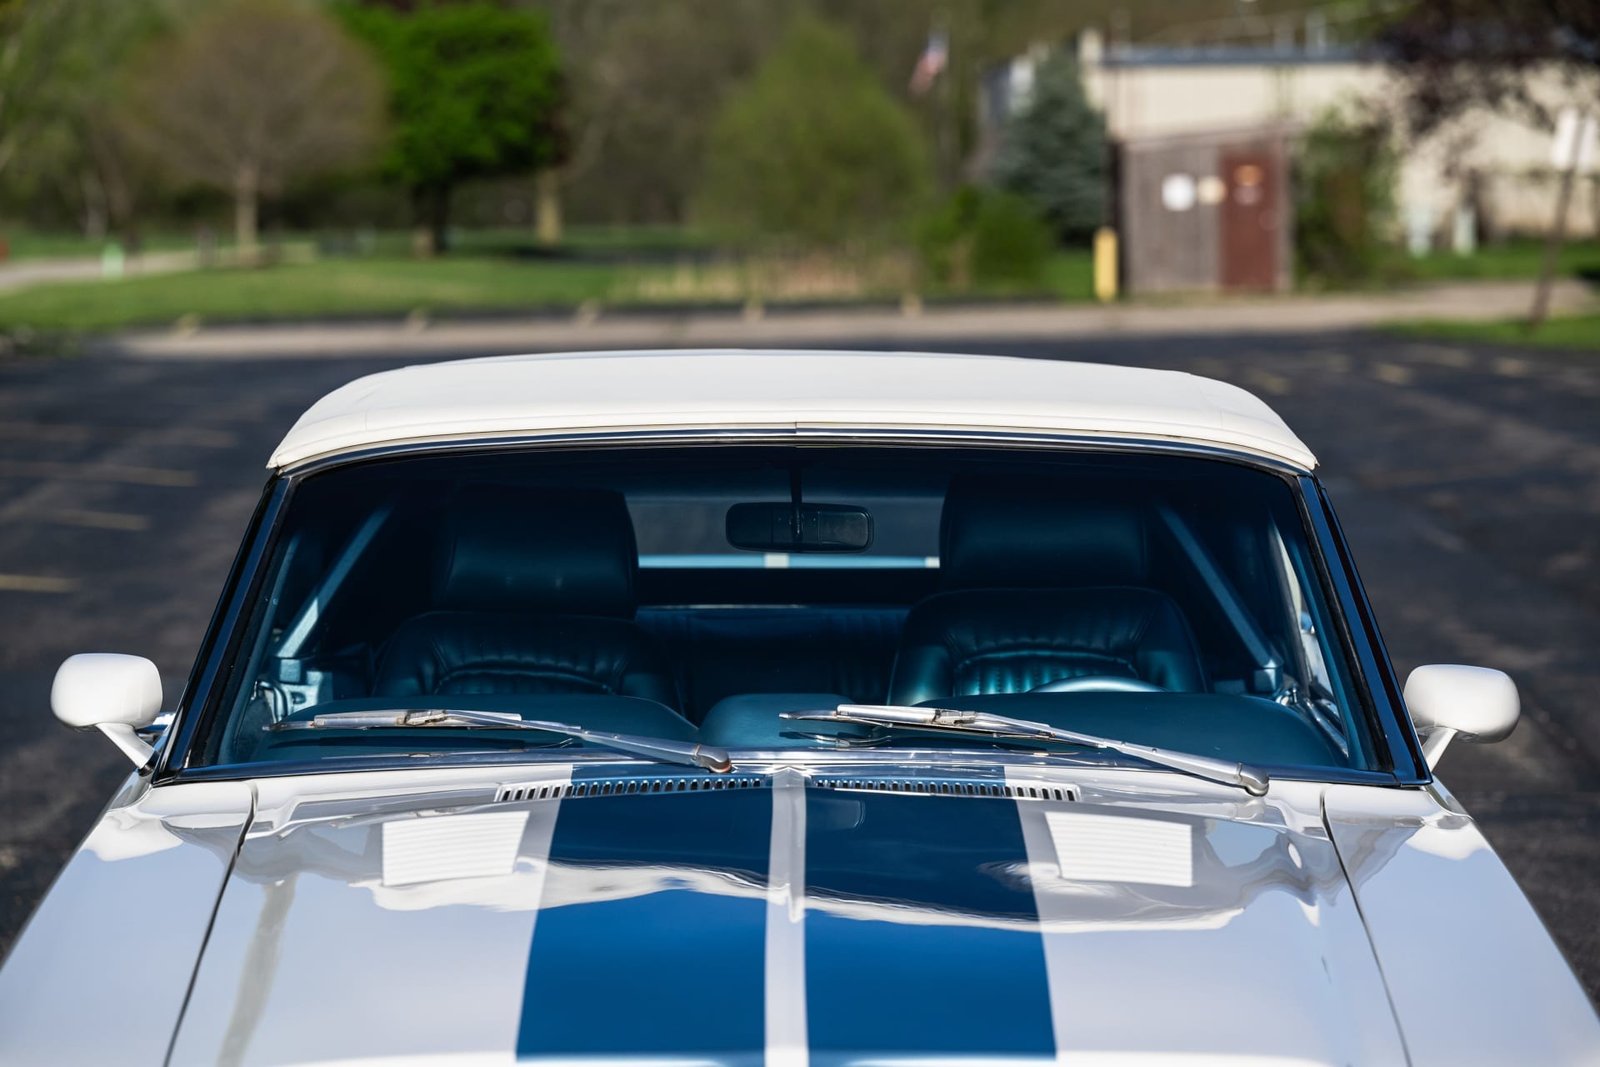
{"points": [[34, 35], [475, 91], [645, 82], [1344, 189], [813, 151], [1053, 152], [81, 159], [252, 96]]}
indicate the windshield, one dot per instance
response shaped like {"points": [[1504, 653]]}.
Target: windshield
{"points": [[706, 595]]}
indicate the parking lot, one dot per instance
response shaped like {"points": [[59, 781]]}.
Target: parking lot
{"points": [[1467, 479]]}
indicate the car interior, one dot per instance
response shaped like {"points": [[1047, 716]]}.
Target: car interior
{"points": [[702, 593]]}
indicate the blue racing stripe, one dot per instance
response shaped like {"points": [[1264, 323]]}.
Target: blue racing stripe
{"points": [[650, 939], [922, 936]]}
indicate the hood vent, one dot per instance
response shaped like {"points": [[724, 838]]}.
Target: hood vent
{"points": [[950, 787], [607, 787], [625, 786], [530, 791]]}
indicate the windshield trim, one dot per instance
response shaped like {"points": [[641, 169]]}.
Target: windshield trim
{"points": [[743, 759], [885, 436]]}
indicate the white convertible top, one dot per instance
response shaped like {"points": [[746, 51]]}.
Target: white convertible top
{"points": [[783, 391]]}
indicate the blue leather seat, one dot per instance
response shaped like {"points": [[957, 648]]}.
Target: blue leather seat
{"points": [[1041, 583], [533, 593]]}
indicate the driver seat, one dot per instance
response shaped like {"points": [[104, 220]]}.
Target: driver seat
{"points": [[533, 594], [1041, 586]]}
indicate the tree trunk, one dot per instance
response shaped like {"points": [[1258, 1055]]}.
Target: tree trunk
{"points": [[1552, 251], [439, 219], [547, 209], [95, 212], [246, 190]]}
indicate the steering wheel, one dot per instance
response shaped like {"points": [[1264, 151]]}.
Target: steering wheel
{"points": [[1099, 683]]}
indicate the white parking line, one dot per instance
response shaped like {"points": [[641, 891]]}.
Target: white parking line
{"points": [[97, 472], [1268, 382], [1392, 373], [36, 583]]}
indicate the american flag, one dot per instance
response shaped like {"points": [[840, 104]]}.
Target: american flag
{"points": [[931, 63]]}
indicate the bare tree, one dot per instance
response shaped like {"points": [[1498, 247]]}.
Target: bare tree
{"points": [[253, 96]]}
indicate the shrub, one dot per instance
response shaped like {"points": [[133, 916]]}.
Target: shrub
{"points": [[813, 152], [1011, 242], [1344, 192], [985, 237]]}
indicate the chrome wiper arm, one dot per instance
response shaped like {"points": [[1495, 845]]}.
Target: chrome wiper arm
{"points": [[1246, 777], [694, 754]]}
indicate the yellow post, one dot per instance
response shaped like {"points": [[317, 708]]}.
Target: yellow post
{"points": [[1105, 264]]}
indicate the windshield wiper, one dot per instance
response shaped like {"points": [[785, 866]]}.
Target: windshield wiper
{"points": [[710, 757], [892, 716]]}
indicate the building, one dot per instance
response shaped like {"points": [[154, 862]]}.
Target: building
{"points": [[1485, 176]]}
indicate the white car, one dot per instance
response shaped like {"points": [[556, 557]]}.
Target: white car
{"points": [[785, 707]]}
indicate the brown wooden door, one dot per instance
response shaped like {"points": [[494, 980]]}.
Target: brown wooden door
{"points": [[1250, 219]]}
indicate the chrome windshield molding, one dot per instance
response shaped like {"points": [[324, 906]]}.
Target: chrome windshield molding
{"points": [[843, 435], [764, 760], [222, 633], [1353, 613]]}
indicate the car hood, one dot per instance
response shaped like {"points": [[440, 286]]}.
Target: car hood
{"points": [[788, 917]]}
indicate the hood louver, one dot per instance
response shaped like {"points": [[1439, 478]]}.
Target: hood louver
{"points": [[952, 787], [622, 786]]}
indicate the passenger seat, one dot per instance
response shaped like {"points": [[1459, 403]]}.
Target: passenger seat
{"points": [[1041, 584]]}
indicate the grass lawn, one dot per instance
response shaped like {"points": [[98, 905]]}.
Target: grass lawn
{"points": [[323, 289], [388, 286], [24, 244], [1568, 331], [1514, 259]]}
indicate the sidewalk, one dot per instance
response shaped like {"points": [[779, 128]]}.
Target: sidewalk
{"points": [[877, 326], [19, 274]]}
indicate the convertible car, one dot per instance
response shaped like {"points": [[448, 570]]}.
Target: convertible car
{"points": [[789, 708]]}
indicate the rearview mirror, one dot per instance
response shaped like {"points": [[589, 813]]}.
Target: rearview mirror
{"points": [[115, 693], [764, 527], [1446, 699]]}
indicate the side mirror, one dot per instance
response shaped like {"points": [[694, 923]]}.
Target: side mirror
{"points": [[1446, 699], [115, 693]]}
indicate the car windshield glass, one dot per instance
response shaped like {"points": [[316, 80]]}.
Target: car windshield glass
{"points": [[705, 595]]}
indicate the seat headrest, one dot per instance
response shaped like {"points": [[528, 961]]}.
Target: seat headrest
{"points": [[552, 551], [1013, 534]]}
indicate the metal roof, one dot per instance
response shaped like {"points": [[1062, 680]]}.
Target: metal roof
{"points": [[510, 397]]}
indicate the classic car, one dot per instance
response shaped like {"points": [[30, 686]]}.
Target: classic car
{"points": [[833, 708]]}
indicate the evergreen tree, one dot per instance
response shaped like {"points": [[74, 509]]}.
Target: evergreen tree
{"points": [[1053, 152]]}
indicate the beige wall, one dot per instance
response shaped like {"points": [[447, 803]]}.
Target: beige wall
{"points": [[1513, 157]]}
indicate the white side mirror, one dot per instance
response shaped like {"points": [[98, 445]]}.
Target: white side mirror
{"points": [[1446, 699], [110, 691]]}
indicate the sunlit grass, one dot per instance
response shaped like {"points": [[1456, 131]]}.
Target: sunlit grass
{"points": [[1521, 258], [331, 288], [458, 284], [1567, 331]]}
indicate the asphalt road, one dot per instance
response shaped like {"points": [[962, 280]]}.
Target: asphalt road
{"points": [[1468, 481]]}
